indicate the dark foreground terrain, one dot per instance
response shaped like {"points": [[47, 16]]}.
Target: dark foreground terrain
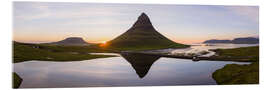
{"points": [[17, 80]]}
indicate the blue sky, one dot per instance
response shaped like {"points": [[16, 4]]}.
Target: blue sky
{"points": [[98, 22]]}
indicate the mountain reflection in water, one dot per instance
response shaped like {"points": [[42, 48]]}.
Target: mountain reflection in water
{"points": [[141, 63]]}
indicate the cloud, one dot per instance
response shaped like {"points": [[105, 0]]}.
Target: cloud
{"points": [[32, 11]]}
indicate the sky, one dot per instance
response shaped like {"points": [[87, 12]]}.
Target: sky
{"points": [[40, 22]]}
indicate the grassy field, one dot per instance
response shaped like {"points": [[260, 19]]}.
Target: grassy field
{"points": [[24, 52], [248, 54], [239, 74], [17, 80]]}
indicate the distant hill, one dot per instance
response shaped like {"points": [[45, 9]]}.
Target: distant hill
{"points": [[142, 35], [71, 41], [217, 41], [246, 40]]}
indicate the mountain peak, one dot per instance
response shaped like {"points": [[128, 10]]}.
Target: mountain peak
{"points": [[142, 21], [143, 15]]}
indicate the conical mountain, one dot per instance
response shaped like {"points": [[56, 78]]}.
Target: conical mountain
{"points": [[142, 35]]}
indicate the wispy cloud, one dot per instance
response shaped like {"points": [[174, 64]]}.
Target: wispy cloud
{"points": [[36, 10]]}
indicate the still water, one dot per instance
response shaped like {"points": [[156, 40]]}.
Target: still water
{"points": [[124, 70], [128, 70]]}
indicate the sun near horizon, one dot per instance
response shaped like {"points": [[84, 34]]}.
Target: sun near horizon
{"points": [[103, 44]]}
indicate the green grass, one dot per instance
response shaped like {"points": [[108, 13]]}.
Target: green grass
{"points": [[239, 74], [239, 54], [26, 52], [67, 48], [17, 80]]}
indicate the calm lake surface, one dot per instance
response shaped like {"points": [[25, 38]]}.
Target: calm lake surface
{"points": [[125, 70]]}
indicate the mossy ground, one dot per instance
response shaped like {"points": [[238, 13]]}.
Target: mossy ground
{"points": [[239, 74], [17, 80], [247, 54]]}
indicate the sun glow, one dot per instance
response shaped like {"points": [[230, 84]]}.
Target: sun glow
{"points": [[103, 42]]}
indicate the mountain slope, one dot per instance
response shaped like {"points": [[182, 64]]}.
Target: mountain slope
{"points": [[142, 35]]}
